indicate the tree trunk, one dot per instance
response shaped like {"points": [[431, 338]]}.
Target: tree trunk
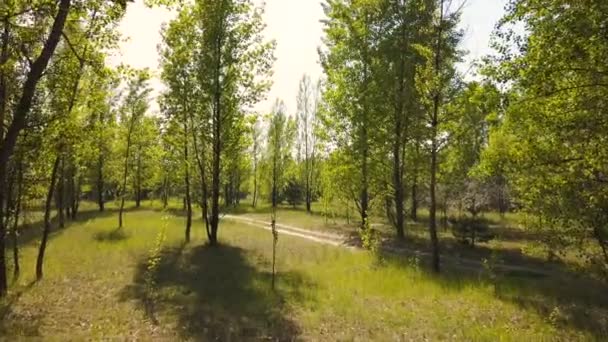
{"points": [[20, 114], [434, 148], [75, 196], [20, 117], [364, 196], [414, 213], [187, 180], [14, 233], [255, 184], [138, 180], [398, 185], [3, 91], [100, 163], [217, 146], [123, 191], [61, 193], [47, 219], [200, 160], [165, 192]]}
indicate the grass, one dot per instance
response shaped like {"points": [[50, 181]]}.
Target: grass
{"points": [[514, 242], [101, 282]]}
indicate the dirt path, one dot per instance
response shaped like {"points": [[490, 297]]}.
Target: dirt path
{"points": [[345, 241]]}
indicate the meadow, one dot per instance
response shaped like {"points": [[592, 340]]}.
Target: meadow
{"points": [[143, 282]]}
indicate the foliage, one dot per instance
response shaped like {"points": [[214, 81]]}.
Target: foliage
{"points": [[470, 230], [549, 144]]}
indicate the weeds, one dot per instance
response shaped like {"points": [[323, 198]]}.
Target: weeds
{"points": [[371, 241]]}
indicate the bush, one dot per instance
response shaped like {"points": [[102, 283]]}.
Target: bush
{"points": [[469, 230], [293, 192]]}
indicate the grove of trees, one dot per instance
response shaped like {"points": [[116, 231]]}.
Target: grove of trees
{"points": [[390, 129]]}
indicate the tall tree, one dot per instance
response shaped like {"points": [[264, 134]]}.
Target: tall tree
{"points": [[307, 107], [351, 34], [551, 143], [233, 68], [440, 74], [134, 107]]}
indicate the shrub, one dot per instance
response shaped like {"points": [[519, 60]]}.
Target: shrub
{"points": [[469, 230]]}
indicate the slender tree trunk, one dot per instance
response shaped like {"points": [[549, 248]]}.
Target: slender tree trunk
{"points": [[47, 218], [255, 183], [138, 180], [3, 85], [14, 232], [100, 164], [3, 105], [434, 150], [414, 213], [187, 180], [76, 197], [61, 193], [200, 160], [100, 182], [20, 117], [398, 185], [123, 190], [217, 144], [364, 195], [165, 192], [398, 143]]}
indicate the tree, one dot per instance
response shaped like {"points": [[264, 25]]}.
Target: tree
{"points": [[551, 142], [37, 35], [234, 63], [20, 114], [133, 109], [281, 133], [439, 75], [406, 27], [351, 93], [256, 137], [307, 101]]}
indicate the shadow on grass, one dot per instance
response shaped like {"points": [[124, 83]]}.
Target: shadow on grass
{"points": [[118, 234], [564, 298], [215, 293], [16, 323], [32, 231]]}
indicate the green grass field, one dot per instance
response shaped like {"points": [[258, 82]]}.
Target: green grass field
{"points": [[144, 283]]}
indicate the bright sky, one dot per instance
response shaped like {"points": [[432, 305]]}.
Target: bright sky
{"points": [[295, 25]]}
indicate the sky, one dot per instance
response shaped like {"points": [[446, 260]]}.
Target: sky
{"points": [[296, 27]]}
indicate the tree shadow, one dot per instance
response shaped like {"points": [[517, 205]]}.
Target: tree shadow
{"points": [[115, 235], [18, 323], [32, 231], [564, 298], [217, 294]]}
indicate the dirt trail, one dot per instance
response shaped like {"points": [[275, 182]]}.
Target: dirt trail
{"points": [[343, 241]]}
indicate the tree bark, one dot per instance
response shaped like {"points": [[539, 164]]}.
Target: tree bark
{"points": [[47, 218]]}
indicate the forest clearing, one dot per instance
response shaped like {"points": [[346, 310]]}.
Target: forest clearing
{"points": [[145, 283]]}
